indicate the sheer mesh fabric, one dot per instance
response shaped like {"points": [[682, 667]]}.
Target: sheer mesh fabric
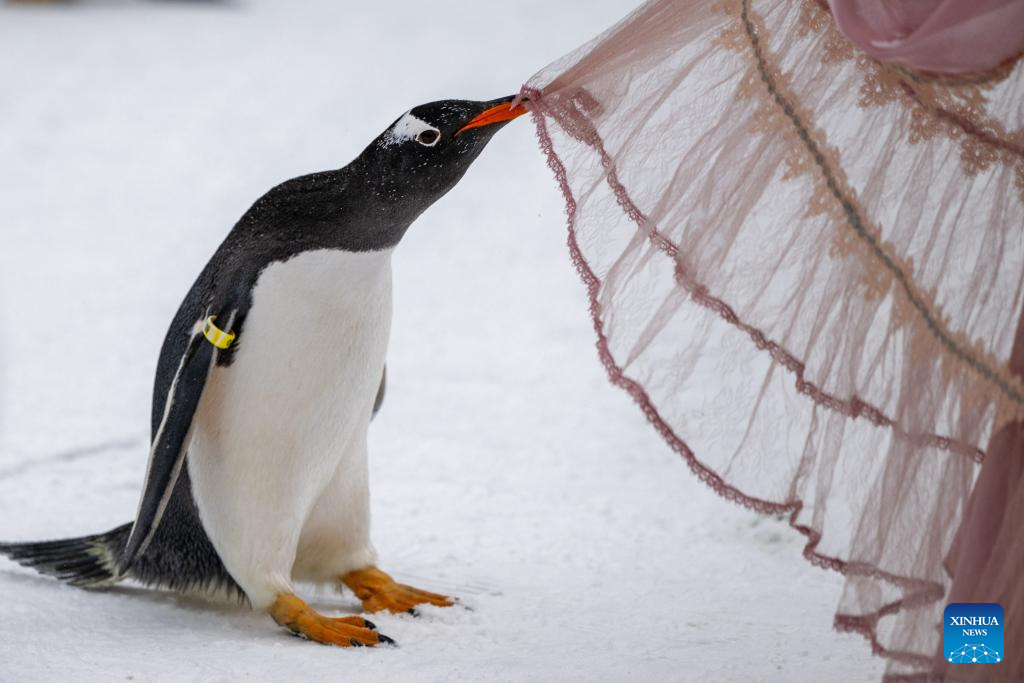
{"points": [[805, 266]]}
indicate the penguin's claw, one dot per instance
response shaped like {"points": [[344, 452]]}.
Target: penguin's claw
{"points": [[295, 615], [380, 592]]}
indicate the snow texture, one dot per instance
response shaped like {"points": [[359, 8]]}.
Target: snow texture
{"points": [[504, 468]]}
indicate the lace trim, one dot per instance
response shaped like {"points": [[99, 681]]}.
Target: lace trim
{"points": [[990, 77]]}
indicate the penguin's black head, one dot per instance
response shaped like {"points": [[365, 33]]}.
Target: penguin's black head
{"points": [[427, 150]]}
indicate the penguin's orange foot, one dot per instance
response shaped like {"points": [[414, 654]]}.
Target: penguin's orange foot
{"points": [[295, 615], [378, 591]]}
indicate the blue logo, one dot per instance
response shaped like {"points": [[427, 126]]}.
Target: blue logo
{"points": [[973, 633]]}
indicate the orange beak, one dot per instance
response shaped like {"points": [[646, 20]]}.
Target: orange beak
{"points": [[496, 114]]}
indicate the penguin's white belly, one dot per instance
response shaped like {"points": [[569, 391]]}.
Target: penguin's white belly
{"points": [[278, 453]]}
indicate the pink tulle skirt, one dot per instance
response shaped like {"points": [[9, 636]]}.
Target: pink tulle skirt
{"points": [[806, 266]]}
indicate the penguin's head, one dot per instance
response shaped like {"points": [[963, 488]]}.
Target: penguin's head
{"points": [[428, 149]]}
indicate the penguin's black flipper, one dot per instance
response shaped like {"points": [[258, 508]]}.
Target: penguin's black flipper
{"points": [[170, 444]]}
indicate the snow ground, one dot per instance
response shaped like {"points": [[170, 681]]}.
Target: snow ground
{"points": [[505, 469]]}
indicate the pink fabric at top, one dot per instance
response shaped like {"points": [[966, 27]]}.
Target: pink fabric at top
{"points": [[947, 36]]}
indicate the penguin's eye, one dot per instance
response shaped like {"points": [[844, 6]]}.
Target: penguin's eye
{"points": [[428, 138]]}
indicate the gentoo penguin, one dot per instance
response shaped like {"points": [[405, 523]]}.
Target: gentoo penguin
{"points": [[268, 378]]}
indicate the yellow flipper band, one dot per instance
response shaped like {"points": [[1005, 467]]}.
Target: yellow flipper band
{"points": [[217, 336]]}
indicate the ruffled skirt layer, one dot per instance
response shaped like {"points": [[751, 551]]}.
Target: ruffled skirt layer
{"points": [[806, 268]]}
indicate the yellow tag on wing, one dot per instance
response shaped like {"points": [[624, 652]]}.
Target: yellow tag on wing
{"points": [[217, 336]]}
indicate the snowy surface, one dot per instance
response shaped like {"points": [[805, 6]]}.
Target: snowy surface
{"points": [[505, 469]]}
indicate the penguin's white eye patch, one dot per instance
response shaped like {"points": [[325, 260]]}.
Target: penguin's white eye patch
{"points": [[429, 137], [409, 127]]}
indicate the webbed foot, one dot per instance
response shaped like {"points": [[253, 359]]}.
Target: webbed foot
{"points": [[295, 615], [379, 592]]}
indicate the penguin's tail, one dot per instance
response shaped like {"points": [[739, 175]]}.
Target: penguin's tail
{"points": [[87, 561]]}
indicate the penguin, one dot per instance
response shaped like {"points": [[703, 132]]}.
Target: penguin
{"points": [[268, 378]]}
